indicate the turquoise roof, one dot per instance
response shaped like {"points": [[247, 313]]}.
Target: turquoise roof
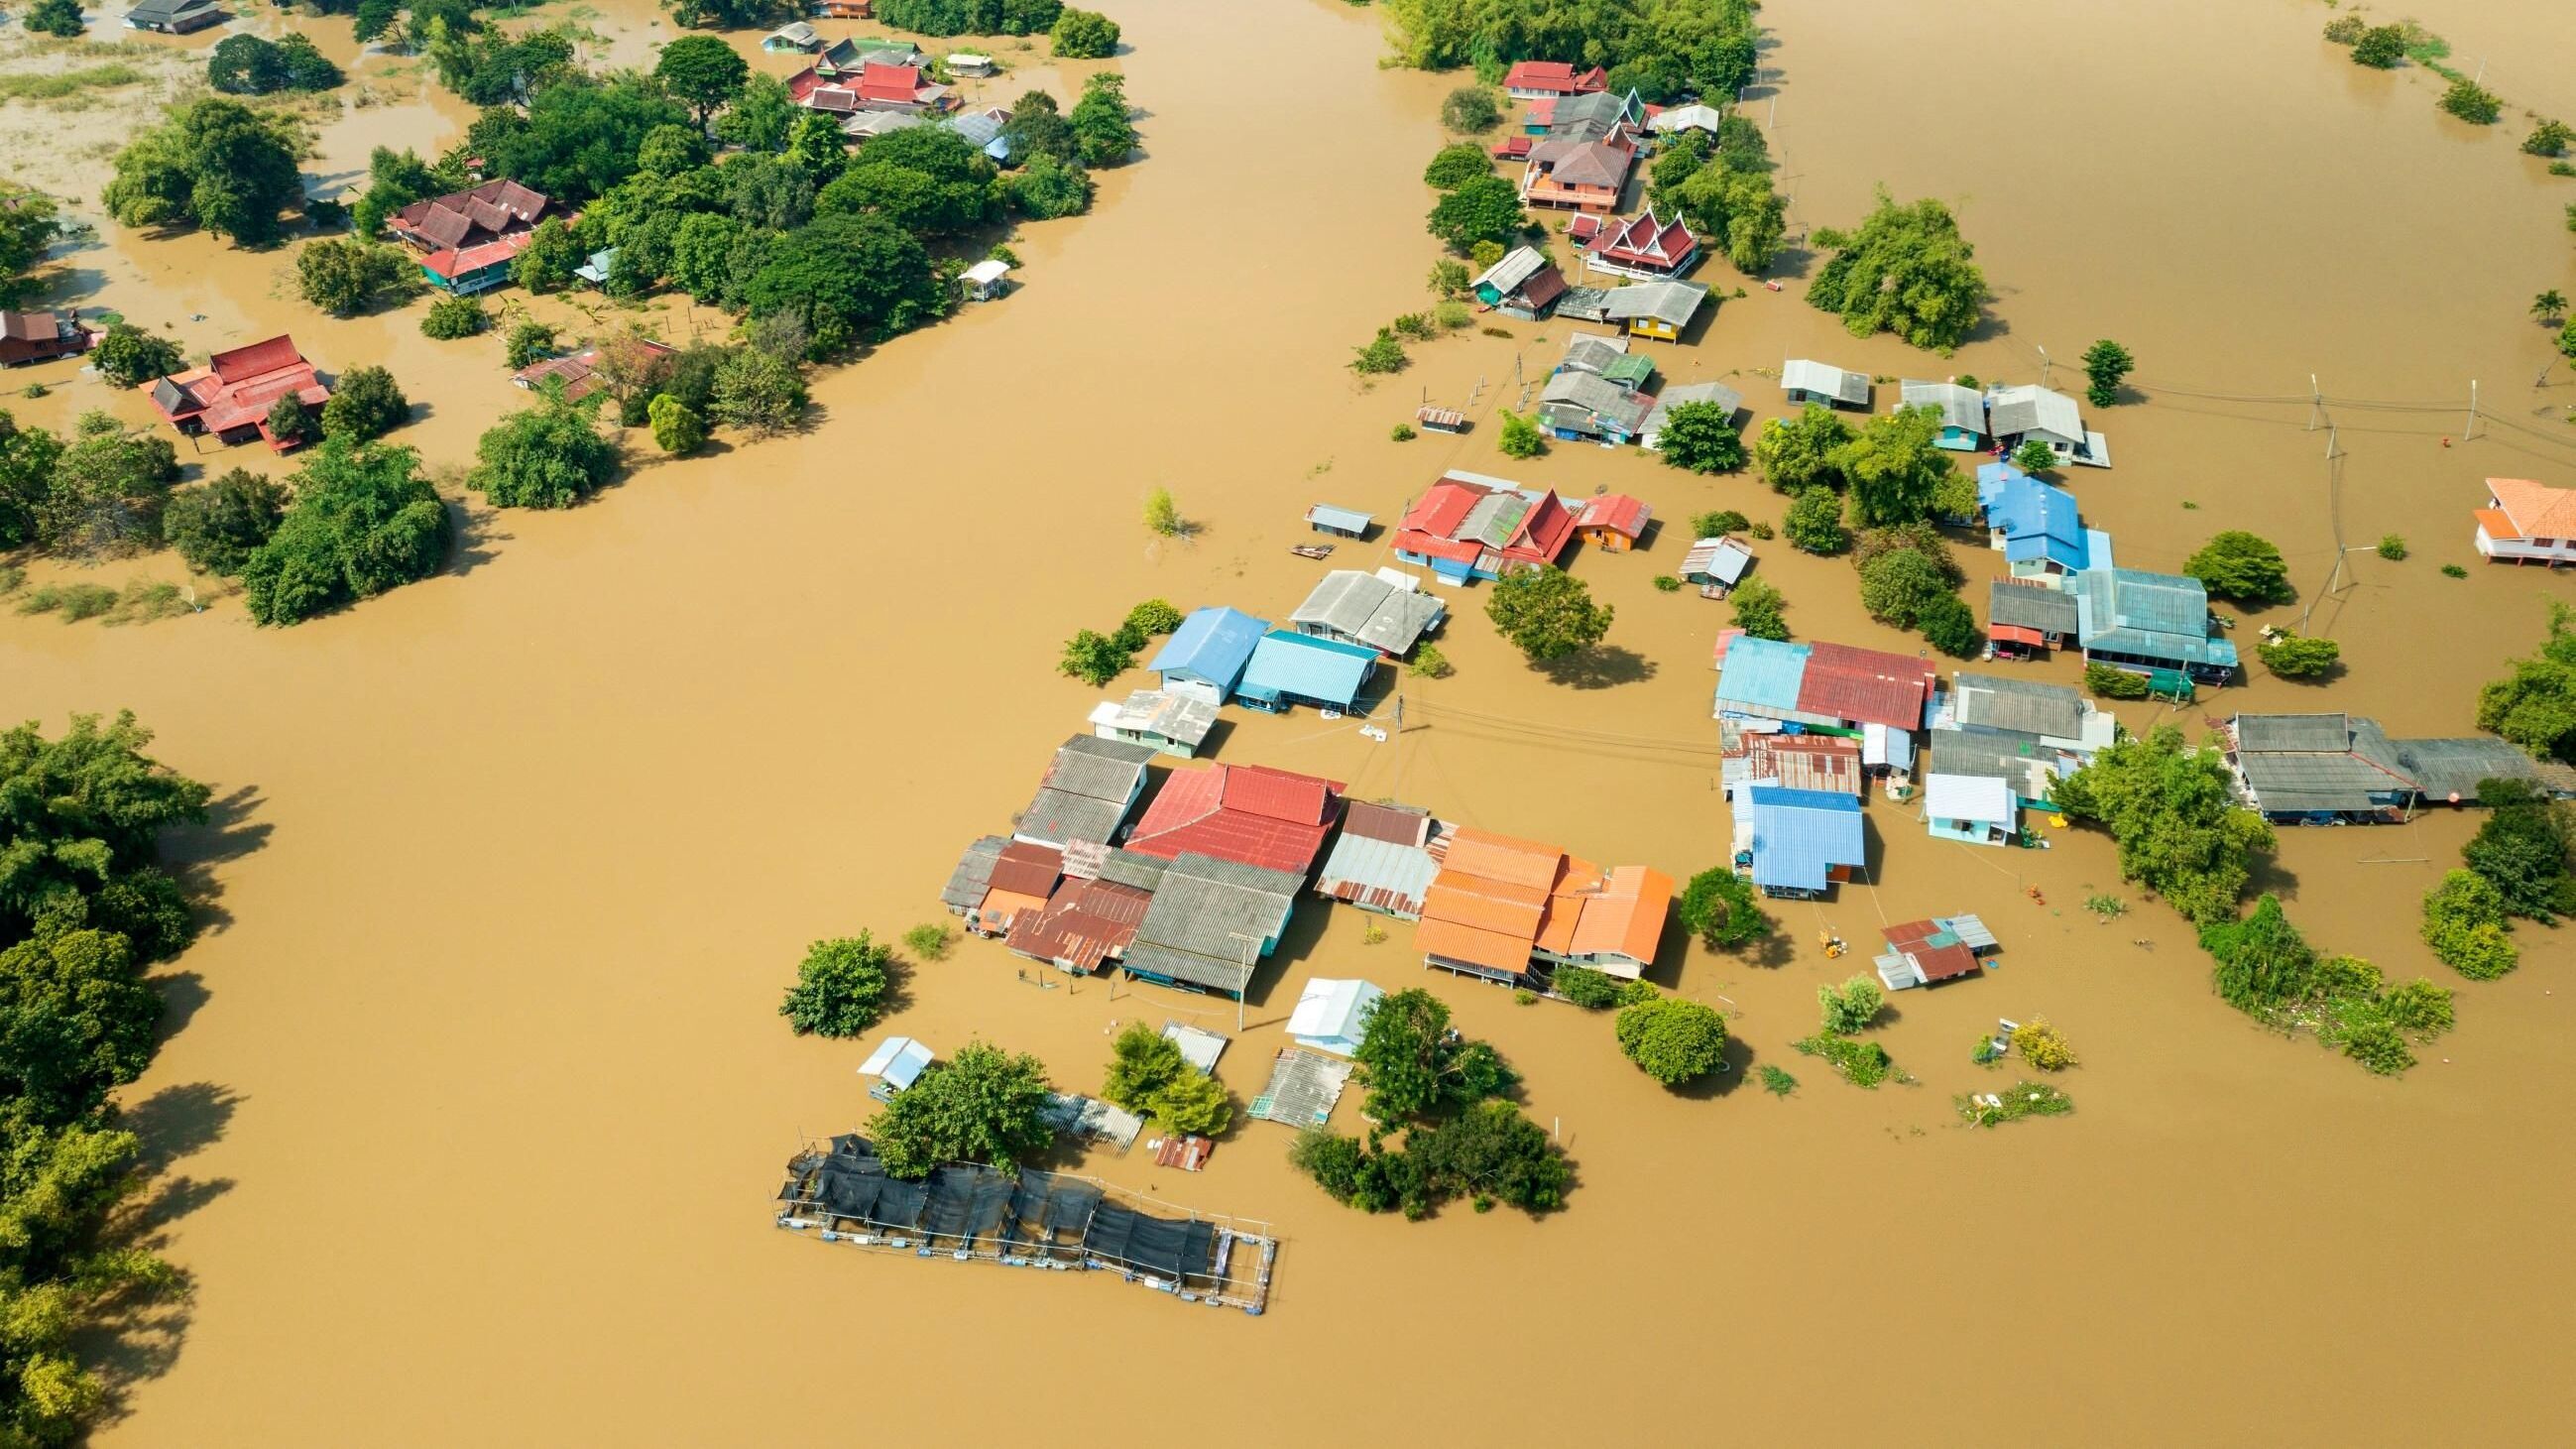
{"points": [[1299, 666], [2148, 616], [1212, 644], [1761, 672]]}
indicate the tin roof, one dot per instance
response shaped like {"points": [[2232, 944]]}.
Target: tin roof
{"points": [[2011, 602], [2017, 704], [1960, 407], [2154, 616], [1969, 797], [1212, 644], [1289, 665], [973, 875], [1371, 609], [1209, 919], [1666, 301], [2029, 408], [1799, 835], [1803, 374], [1616, 512], [1249, 813]]}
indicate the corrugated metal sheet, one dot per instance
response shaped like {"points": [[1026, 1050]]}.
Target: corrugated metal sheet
{"points": [[1762, 672], [1799, 835]]}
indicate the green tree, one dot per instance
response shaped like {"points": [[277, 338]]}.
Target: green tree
{"points": [[1413, 1066], [547, 456], [128, 356], [1521, 436], [849, 280], [1851, 1007], [1759, 609], [2549, 308], [2380, 47], [702, 72], [2464, 923], [2241, 566], [1671, 1040], [108, 489], [1718, 906], [2535, 706], [1037, 128], [529, 342], [984, 1105], [1083, 35], [1546, 613], [2113, 682], [553, 253], [677, 428], [1095, 658], [2549, 138], [1100, 120], [2523, 849], [1949, 625], [2105, 363], [1192, 1103], [79, 818], [1483, 208], [1894, 466], [450, 318], [2296, 656], [217, 525], [1142, 1062], [2263, 963], [1736, 208], [345, 277], [2035, 458], [1907, 271], [290, 423], [1163, 515], [1815, 521], [55, 17], [374, 19], [1597, 990], [1799, 453], [1154, 616], [1453, 166], [363, 520], [213, 163], [1490, 1153], [1046, 187], [1897, 585], [2172, 810], [1701, 437], [2472, 102], [1383, 354], [758, 391], [30, 223], [1470, 111], [842, 987], [915, 200], [760, 117], [366, 405], [27, 459], [970, 17]]}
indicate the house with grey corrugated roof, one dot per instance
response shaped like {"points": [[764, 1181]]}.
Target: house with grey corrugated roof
{"points": [[2025, 732], [1806, 380], [2318, 769], [1383, 859], [1211, 923], [1088, 791], [2028, 412], [1962, 410], [973, 875], [2025, 618], [1386, 611], [2451, 770], [1655, 309], [1588, 408]]}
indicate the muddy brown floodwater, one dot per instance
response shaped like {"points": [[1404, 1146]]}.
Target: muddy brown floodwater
{"points": [[481, 1079]]}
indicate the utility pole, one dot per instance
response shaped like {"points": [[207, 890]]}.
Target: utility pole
{"points": [[2316, 403], [2046, 365], [2471, 430]]}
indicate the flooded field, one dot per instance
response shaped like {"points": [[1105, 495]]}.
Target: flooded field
{"points": [[480, 1082]]}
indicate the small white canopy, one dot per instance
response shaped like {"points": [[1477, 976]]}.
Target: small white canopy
{"points": [[899, 1059], [1330, 1014], [988, 271], [1968, 797]]}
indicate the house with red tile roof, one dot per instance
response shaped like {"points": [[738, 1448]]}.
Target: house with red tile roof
{"points": [[873, 87], [578, 371], [2527, 522], [231, 395], [468, 239], [1469, 526], [1531, 80], [1249, 814], [1613, 522], [1646, 246], [1577, 175]]}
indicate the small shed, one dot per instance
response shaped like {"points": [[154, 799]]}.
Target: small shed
{"points": [[595, 270], [1199, 1046], [1806, 380], [1440, 419], [968, 62], [897, 1063], [1331, 1015], [1971, 808], [986, 280], [1930, 952], [1348, 522], [1716, 565]]}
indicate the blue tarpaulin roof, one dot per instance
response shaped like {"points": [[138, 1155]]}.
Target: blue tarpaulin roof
{"points": [[1761, 672], [1212, 644], [1299, 666], [2038, 521], [1800, 834]]}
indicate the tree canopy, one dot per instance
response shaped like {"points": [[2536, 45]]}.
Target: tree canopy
{"points": [[1801, 452], [213, 163], [1413, 1066], [363, 521], [30, 223], [2525, 849], [1907, 270], [1814, 522], [841, 987], [970, 17], [1149, 1076], [216, 526], [849, 279], [2241, 566], [1894, 467], [246, 65], [2535, 705], [1701, 437], [1481, 208], [2172, 810], [702, 72], [1719, 907], [982, 1105], [1546, 613], [548, 456], [1671, 1040], [2262, 961], [1663, 47], [1083, 35]]}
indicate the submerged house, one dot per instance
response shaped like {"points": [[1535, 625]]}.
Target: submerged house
{"points": [[2026, 618], [2318, 769], [874, 86], [1386, 611], [1645, 246], [1275, 819], [1796, 844], [1470, 526], [1674, 120], [1687, 392], [231, 396], [1613, 522], [1210, 923], [1501, 908], [1531, 80], [1933, 951], [1880, 698], [1331, 1015], [579, 371], [2022, 732], [1204, 658], [1660, 310], [1093, 915], [1021, 878], [1163, 721], [2157, 625], [27, 337], [174, 17], [1962, 410], [467, 240], [2038, 530], [2016, 415], [2527, 522], [1585, 407], [1384, 860], [1523, 285], [1977, 809], [1806, 380], [1763, 752], [1088, 791], [1607, 358], [1716, 565], [792, 38], [1577, 175], [1289, 668]]}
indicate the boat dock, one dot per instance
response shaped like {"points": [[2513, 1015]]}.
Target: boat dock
{"points": [[842, 1194]]}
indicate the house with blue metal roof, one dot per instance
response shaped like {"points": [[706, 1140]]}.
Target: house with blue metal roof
{"points": [[1760, 677], [1289, 669], [1797, 843], [2157, 625], [2036, 527], [1205, 657]]}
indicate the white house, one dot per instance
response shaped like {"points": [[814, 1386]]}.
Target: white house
{"points": [[1806, 380], [2015, 415], [2527, 522], [1330, 1015]]}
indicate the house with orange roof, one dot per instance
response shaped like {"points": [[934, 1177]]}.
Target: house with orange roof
{"points": [[1500, 907], [2527, 522]]}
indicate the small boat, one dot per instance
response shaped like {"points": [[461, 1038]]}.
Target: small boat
{"points": [[1311, 550]]}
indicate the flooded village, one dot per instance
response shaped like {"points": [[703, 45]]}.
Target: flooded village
{"points": [[473, 1113]]}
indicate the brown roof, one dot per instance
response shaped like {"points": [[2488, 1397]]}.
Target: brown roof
{"points": [[447, 222], [1027, 868], [1086, 923], [29, 326], [1395, 824], [1943, 962]]}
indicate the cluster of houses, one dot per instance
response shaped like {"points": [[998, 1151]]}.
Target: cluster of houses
{"points": [[1195, 888], [873, 87], [2001, 419], [1525, 285], [466, 241]]}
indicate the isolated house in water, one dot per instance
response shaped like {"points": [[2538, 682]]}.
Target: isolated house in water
{"points": [[1931, 952], [1806, 380], [232, 394], [1204, 658], [1975, 809], [1470, 526], [2527, 522]]}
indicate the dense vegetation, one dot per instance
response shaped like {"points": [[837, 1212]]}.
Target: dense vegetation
{"points": [[548, 456], [2241, 566], [245, 65], [1661, 48], [2535, 705], [970, 17], [2173, 811], [1721, 185], [1082, 35], [215, 164], [1546, 613], [842, 987], [85, 909], [1907, 270], [1719, 907], [363, 521], [30, 222], [1671, 1040], [1701, 437], [99, 492], [2263, 967], [982, 1105], [1149, 1077]]}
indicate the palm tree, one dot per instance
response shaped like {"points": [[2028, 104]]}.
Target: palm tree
{"points": [[2548, 307]]}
